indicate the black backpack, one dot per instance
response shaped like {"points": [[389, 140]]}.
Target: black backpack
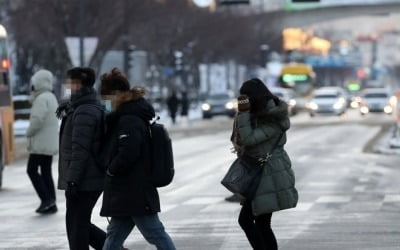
{"points": [[162, 159]]}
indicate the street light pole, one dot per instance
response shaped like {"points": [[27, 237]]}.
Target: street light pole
{"points": [[81, 34], [125, 39]]}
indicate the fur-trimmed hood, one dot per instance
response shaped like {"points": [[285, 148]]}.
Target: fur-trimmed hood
{"points": [[276, 113]]}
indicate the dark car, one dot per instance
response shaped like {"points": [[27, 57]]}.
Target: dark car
{"points": [[22, 107], [219, 104]]}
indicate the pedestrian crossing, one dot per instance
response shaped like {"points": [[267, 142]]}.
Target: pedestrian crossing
{"points": [[194, 212]]}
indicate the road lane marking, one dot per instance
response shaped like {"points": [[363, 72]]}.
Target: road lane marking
{"points": [[359, 189], [334, 199], [203, 201], [302, 207], [392, 198]]}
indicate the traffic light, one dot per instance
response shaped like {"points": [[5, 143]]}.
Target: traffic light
{"points": [[306, 1], [178, 60], [231, 2]]}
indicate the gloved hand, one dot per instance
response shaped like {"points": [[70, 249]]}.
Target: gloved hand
{"points": [[72, 190], [243, 103]]}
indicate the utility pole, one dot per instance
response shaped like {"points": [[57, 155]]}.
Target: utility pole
{"points": [[126, 39], [81, 34]]}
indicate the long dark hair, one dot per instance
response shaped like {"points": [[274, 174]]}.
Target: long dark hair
{"points": [[258, 94]]}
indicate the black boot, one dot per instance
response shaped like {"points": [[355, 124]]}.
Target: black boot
{"points": [[45, 207]]}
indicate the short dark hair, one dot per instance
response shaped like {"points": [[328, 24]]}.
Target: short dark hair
{"points": [[86, 75], [113, 81]]}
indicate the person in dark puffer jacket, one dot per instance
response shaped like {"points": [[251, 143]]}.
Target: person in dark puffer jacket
{"points": [[129, 197], [260, 123], [79, 174]]}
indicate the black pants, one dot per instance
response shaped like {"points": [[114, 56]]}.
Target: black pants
{"points": [[81, 232], [257, 229], [43, 181]]}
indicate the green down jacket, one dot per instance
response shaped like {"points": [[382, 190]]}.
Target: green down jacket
{"points": [[277, 186]]}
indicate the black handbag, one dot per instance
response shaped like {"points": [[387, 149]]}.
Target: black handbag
{"points": [[244, 175]]}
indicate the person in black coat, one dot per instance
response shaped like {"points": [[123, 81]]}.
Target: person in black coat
{"points": [[185, 104], [129, 197], [173, 104], [79, 173]]}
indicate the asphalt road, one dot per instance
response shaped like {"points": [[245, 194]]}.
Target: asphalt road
{"points": [[349, 199]]}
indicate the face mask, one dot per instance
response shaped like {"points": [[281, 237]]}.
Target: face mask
{"points": [[67, 93], [108, 106]]}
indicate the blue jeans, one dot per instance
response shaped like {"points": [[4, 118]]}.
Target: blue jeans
{"points": [[149, 225]]}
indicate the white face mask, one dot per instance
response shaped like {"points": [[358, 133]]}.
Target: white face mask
{"points": [[67, 93], [108, 106]]}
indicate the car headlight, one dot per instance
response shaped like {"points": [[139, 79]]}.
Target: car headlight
{"points": [[338, 105], [342, 100], [393, 101], [292, 102], [355, 104], [313, 106], [364, 110], [205, 107], [388, 109], [229, 105]]}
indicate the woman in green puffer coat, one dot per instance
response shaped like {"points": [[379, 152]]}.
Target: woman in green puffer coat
{"points": [[261, 120]]}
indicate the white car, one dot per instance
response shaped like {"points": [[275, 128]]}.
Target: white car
{"points": [[288, 96], [328, 100], [377, 101]]}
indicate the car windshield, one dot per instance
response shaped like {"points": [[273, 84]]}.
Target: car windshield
{"points": [[219, 97], [325, 96], [22, 105], [376, 95]]}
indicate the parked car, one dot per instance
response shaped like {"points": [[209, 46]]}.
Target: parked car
{"points": [[219, 104], [328, 100], [289, 97], [377, 100], [22, 111]]}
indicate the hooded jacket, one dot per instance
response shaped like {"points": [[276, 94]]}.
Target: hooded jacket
{"points": [[80, 134], [258, 136], [42, 132], [128, 192]]}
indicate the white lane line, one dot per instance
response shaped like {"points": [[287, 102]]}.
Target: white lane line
{"points": [[203, 201], [303, 158], [364, 179], [334, 199], [302, 207], [359, 189], [321, 184], [392, 198]]}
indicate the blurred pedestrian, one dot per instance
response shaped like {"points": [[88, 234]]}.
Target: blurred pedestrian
{"points": [[129, 199], [42, 136], [173, 104], [185, 104], [260, 125], [79, 174]]}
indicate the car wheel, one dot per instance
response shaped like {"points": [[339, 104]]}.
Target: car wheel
{"points": [[312, 114], [207, 116]]}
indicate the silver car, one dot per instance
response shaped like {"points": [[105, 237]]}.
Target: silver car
{"points": [[219, 104], [328, 100], [376, 101]]}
